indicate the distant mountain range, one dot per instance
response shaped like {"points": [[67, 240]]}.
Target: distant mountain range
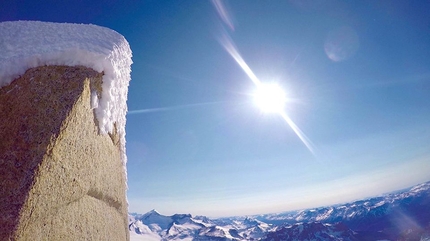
{"points": [[400, 216]]}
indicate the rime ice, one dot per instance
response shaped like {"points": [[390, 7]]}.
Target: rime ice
{"points": [[29, 44]]}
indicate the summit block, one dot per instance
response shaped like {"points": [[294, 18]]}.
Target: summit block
{"points": [[63, 92]]}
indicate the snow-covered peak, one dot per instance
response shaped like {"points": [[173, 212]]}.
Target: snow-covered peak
{"points": [[420, 187], [249, 221], [28, 44], [153, 212], [155, 220]]}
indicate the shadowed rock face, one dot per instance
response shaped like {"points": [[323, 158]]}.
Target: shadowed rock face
{"points": [[59, 178]]}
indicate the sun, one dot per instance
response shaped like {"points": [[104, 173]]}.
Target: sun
{"points": [[270, 98]]}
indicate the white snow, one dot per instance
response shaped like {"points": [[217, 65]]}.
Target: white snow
{"points": [[325, 215], [143, 237], [139, 231], [28, 44]]}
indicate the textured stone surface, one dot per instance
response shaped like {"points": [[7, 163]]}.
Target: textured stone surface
{"points": [[59, 178]]}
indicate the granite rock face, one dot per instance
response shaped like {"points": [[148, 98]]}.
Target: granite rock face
{"points": [[60, 179]]}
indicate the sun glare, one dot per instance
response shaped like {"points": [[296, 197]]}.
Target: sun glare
{"points": [[270, 98]]}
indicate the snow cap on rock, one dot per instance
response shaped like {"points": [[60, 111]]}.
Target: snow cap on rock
{"points": [[29, 44]]}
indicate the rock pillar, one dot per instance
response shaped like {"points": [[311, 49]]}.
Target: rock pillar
{"points": [[60, 179]]}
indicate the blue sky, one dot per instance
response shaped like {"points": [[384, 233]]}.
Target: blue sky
{"points": [[357, 74]]}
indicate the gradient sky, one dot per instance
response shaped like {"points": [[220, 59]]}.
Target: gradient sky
{"points": [[357, 74]]}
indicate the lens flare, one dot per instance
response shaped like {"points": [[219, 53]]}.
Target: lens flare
{"points": [[271, 99], [223, 13], [299, 133], [229, 46]]}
